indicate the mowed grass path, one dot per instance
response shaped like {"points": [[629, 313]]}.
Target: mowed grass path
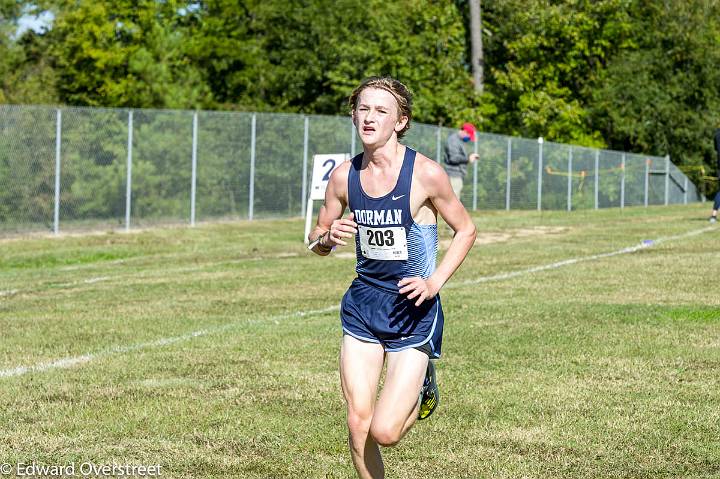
{"points": [[192, 351]]}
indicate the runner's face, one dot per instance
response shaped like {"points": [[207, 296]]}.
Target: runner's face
{"points": [[376, 116]]}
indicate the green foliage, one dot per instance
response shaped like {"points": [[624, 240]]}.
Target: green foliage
{"points": [[93, 164], [634, 75], [124, 53], [32, 78], [663, 97], [543, 59], [27, 167], [9, 51], [307, 56]]}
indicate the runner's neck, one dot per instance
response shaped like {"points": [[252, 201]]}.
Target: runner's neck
{"points": [[389, 157]]}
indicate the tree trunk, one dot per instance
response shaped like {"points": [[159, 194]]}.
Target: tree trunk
{"points": [[477, 60]]}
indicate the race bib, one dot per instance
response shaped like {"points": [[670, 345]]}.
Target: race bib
{"points": [[385, 244]]}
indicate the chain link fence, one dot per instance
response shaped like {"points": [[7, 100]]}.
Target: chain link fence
{"points": [[94, 168]]}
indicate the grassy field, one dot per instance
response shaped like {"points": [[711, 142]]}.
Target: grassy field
{"points": [[213, 351]]}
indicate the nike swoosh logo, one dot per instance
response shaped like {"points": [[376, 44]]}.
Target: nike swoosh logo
{"points": [[397, 197]]}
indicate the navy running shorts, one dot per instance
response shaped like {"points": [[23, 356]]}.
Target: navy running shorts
{"points": [[376, 315]]}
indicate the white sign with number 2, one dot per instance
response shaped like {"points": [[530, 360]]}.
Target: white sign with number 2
{"points": [[323, 166]]}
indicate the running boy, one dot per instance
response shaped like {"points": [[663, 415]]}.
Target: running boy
{"points": [[392, 311]]}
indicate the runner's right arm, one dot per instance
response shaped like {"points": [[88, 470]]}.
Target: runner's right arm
{"points": [[331, 227]]}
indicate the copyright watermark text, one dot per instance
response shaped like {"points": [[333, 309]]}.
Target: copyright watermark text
{"points": [[84, 469]]}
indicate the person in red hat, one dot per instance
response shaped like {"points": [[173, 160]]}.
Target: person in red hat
{"points": [[456, 158]]}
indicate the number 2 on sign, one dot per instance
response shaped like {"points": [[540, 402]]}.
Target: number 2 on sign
{"points": [[330, 162]]}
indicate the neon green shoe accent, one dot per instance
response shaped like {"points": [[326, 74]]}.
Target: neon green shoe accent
{"points": [[429, 394]]}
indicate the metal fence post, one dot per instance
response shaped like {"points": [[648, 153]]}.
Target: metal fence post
{"points": [[58, 140], [251, 199], [569, 182], [352, 139], [622, 182], [667, 179], [597, 179], [439, 144], [508, 176], [647, 180], [540, 169], [128, 182], [306, 135], [475, 167], [193, 181]]}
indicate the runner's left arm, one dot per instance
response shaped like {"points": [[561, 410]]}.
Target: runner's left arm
{"points": [[437, 185]]}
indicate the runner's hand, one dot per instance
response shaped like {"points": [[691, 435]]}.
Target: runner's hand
{"points": [[417, 287], [342, 228]]}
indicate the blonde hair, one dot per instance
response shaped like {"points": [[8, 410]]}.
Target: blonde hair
{"points": [[400, 92]]}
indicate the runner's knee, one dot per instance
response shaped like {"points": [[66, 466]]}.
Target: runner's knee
{"points": [[358, 427], [358, 423], [385, 434]]}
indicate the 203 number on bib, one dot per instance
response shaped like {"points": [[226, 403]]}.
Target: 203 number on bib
{"points": [[385, 244], [380, 238]]}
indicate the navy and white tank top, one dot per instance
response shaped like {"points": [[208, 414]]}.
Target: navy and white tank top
{"points": [[389, 244]]}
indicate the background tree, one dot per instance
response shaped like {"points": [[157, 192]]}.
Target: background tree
{"points": [[664, 96], [124, 53], [307, 56], [635, 75], [544, 59], [476, 56]]}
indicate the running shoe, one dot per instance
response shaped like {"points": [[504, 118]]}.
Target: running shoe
{"points": [[429, 394]]}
